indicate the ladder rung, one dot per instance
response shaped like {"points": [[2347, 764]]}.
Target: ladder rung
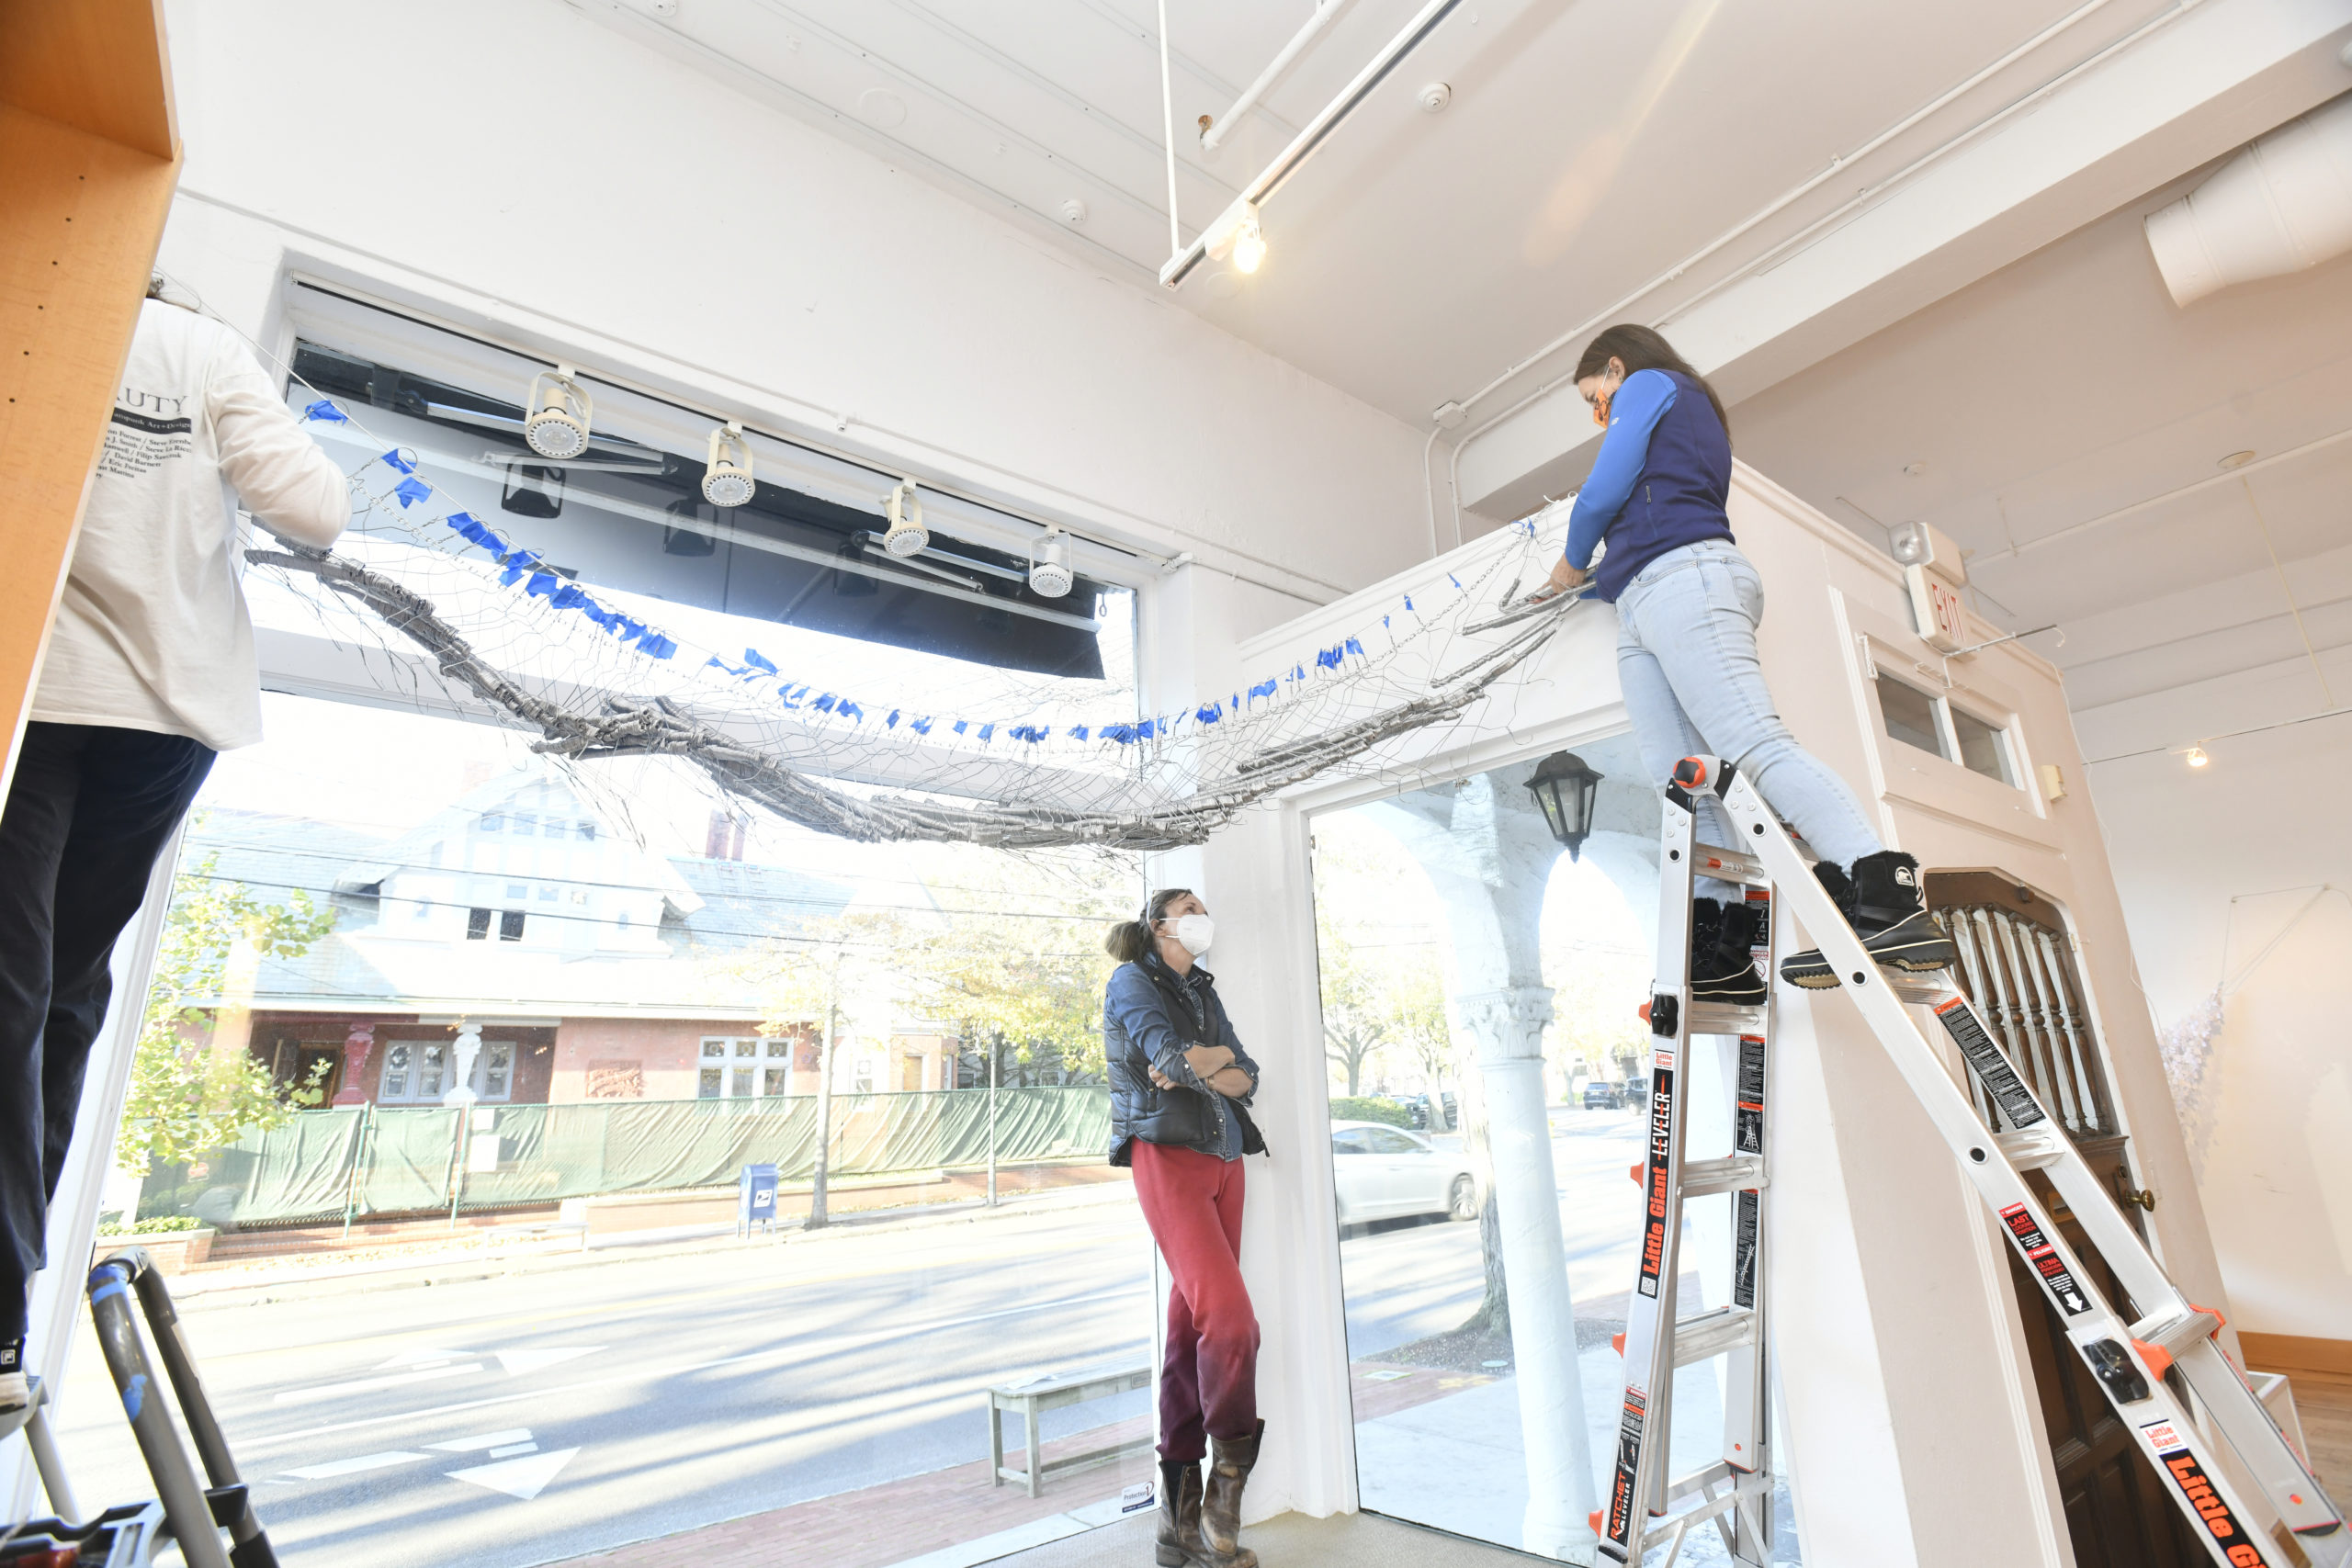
{"points": [[1728, 866], [1715, 1018], [1696, 1484], [1705, 1177], [2035, 1148], [2177, 1331], [1712, 1334]]}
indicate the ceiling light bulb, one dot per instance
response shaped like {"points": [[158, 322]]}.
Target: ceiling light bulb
{"points": [[1250, 245], [2197, 757], [1050, 573], [726, 479], [555, 422], [906, 535]]}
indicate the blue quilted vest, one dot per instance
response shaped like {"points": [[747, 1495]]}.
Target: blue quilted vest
{"points": [[1678, 499]]}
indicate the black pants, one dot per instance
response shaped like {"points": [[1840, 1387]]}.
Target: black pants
{"points": [[90, 808]]}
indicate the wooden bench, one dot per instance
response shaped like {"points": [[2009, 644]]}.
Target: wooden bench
{"points": [[1053, 1392]]}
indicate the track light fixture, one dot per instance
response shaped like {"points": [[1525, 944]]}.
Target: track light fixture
{"points": [[1050, 573], [1236, 234], [727, 478], [906, 535], [555, 423], [1250, 245]]}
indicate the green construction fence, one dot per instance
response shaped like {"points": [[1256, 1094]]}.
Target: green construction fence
{"points": [[365, 1160]]}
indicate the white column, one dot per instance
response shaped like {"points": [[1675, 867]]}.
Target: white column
{"points": [[468, 1046], [1509, 1028]]}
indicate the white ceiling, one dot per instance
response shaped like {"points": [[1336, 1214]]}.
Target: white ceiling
{"points": [[2045, 399], [1588, 148]]}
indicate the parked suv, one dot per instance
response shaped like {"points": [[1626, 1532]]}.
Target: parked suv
{"points": [[1603, 1095]]}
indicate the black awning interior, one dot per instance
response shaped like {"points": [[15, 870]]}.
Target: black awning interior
{"points": [[962, 600]]}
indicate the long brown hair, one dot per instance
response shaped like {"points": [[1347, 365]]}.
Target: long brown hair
{"points": [[1639, 347], [1130, 940]]}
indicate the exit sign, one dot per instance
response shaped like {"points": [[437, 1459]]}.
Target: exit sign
{"points": [[1936, 610]]}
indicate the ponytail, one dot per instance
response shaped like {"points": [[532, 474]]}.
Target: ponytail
{"points": [[1639, 347], [1130, 940]]}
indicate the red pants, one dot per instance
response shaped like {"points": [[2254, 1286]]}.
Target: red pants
{"points": [[1208, 1384]]}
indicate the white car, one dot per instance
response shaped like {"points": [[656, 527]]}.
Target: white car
{"points": [[1380, 1172]]}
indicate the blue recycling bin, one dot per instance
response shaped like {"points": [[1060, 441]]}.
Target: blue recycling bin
{"points": [[755, 1199]]}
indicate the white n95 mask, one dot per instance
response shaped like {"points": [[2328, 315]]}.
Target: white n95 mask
{"points": [[1195, 932]]}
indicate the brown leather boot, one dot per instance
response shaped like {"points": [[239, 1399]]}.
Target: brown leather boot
{"points": [[1230, 1462], [1180, 1544]]}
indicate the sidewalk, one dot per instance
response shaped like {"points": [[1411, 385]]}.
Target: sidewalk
{"points": [[546, 1249], [954, 1518]]}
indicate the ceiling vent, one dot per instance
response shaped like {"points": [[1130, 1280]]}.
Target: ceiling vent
{"points": [[2284, 203]]}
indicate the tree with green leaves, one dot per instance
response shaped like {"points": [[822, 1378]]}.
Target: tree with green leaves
{"points": [[188, 1099], [847, 961]]}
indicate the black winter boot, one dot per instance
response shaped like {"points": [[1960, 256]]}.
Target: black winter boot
{"points": [[1722, 970], [1884, 902], [1230, 1462], [1179, 1544]]}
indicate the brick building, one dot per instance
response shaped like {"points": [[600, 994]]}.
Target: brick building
{"points": [[589, 967]]}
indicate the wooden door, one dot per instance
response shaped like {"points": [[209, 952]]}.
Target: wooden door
{"points": [[2119, 1513]]}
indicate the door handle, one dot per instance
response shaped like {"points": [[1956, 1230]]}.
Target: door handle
{"points": [[2129, 1195]]}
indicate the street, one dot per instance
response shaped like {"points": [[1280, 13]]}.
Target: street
{"points": [[558, 1412]]}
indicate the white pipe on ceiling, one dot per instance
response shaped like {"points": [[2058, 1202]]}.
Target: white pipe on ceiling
{"points": [[2283, 204], [1325, 13], [1303, 147]]}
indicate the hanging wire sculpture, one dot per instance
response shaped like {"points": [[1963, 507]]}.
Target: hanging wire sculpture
{"points": [[594, 679]]}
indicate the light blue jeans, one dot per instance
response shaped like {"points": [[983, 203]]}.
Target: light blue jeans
{"points": [[1686, 661]]}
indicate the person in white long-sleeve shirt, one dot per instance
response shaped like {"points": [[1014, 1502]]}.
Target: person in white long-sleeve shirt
{"points": [[150, 674]]}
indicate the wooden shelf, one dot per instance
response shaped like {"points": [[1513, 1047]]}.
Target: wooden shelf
{"points": [[89, 157]]}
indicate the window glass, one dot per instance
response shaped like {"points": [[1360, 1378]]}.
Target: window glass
{"points": [[778, 1047], [1350, 1141], [521, 824], [714, 1047], [431, 1059], [1910, 715], [1983, 747], [510, 925], [776, 1082], [497, 1068], [476, 924], [1388, 1141], [396, 1067], [587, 832], [747, 1047], [708, 1088]]}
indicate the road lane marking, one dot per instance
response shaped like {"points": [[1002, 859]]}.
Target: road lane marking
{"points": [[519, 1478], [643, 1374], [530, 1359], [356, 1466], [421, 1359], [511, 1450], [487, 1440], [317, 1392]]}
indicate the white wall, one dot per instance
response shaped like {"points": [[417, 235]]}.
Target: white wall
{"points": [[520, 166], [2217, 865]]}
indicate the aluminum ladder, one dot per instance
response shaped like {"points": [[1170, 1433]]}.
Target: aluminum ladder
{"points": [[2245, 1492]]}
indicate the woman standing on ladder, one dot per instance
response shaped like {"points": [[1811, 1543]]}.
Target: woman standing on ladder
{"points": [[1687, 607], [1180, 1084]]}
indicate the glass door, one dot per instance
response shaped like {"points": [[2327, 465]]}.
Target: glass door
{"points": [[1480, 983]]}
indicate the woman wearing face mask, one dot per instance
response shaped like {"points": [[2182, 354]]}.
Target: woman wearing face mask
{"points": [[1179, 1086], [1687, 607]]}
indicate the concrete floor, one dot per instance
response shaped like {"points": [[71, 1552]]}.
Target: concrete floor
{"points": [[1291, 1541]]}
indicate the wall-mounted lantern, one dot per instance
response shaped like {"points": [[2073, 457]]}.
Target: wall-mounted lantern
{"points": [[1565, 790]]}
